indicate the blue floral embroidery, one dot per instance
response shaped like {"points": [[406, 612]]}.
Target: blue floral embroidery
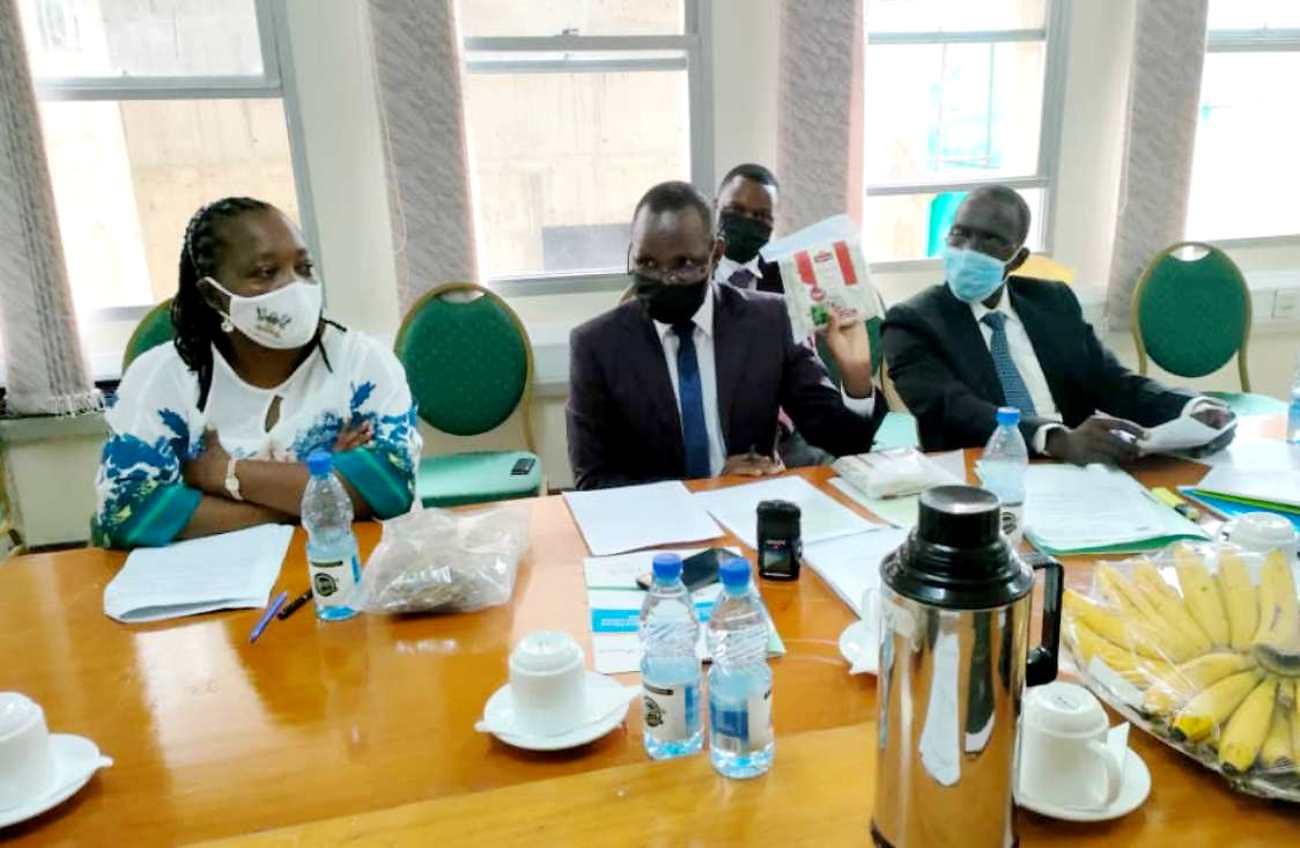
{"points": [[135, 468]]}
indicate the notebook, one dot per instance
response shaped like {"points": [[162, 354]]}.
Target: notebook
{"points": [[229, 571]]}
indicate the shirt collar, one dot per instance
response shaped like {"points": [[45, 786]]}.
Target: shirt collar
{"points": [[727, 267], [979, 310], [703, 317]]}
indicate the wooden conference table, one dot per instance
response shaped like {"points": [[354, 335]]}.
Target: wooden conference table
{"points": [[361, 732]]}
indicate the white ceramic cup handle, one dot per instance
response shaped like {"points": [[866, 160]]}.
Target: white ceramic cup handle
{"points": [[1114, 764]]}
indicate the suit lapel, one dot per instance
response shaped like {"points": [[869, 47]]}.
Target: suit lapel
{"points": [[660, 404], [1050, 359], [969, 346], [729, 352]]}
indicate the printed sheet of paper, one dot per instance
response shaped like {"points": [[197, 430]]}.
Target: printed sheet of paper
{"points": [[850, 565], [614, 521], [822, 517]]}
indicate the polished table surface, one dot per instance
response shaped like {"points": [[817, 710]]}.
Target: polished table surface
{"points": [[214, 737]]}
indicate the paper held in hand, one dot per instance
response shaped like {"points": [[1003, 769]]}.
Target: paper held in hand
{"points": [[823, 269]]}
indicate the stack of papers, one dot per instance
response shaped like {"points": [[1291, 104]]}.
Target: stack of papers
{"points": [[1097, 510], [851, 565], [821, 516], [1254, 454], [902, 512], [613, 521], [1182, 433], [231, 571], [1275, 488], [615, 603]]}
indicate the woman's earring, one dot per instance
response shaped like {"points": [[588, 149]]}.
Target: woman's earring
{"points": [[227, 327]]}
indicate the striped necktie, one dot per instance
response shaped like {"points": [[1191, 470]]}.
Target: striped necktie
{"points": [[1014, 389]]}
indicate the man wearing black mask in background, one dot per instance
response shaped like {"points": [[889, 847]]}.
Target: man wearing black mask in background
{"points": [[746, 208], [685, 380]]}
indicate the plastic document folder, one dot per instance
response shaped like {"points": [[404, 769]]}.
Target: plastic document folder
{"points": [[1232, 509], [1274, 489]]}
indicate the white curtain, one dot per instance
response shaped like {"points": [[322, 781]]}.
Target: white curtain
{"points": [[1163, 104], [819, 118], [42, 351], [418, 72]]}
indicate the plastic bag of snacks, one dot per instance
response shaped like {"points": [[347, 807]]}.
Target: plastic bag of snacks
{"points": [[1200, 646], [432, 560]]}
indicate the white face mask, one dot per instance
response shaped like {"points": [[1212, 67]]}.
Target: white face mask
{"points": [[282, 319]]}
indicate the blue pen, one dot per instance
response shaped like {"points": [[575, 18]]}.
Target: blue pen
{"points": [[267, 616]]}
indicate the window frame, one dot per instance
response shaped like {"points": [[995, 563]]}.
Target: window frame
{"points": [[696, 61], [277, 81], [1263, 40], [1055, 35]]}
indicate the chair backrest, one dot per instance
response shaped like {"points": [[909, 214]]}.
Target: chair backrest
{"points": [[1192, 315], [154, 329], [468, 360]]}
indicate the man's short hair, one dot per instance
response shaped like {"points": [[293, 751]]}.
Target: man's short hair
{"points": [[752, 171], [1009, 196], [674, 196]]}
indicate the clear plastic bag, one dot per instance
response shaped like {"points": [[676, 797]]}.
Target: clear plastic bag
{"points": [[1200, 647], [433, 560], [892, 473]]}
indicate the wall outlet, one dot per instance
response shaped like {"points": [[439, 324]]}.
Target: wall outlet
{"points": [[1286, 305]]}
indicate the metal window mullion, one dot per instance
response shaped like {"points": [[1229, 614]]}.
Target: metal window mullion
{"points": [[1253, 41], [884, 39], [1053, 112], [579, 43], [266, 34], [548, 284], [155, 88], [572, 66], [699, 81], [900, 189]]}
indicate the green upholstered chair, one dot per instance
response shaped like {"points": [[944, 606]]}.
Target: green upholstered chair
{"points": [[155, 328], [1192, 315], [470, 366]]}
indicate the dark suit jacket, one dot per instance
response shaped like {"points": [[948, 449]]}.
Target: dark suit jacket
{"points": [[623, 419], [944, 372]]}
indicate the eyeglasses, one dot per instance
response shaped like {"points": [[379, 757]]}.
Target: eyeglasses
{"points": [[687, 272]]}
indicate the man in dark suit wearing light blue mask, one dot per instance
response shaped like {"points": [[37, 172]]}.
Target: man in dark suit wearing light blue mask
{"points": [[984, 339]]}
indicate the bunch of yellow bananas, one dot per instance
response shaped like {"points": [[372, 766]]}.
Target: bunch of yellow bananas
{"points": [[1218, 663]]}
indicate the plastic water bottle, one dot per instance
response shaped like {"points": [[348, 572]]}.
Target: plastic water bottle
{"points": [[740, 683], [1293, 415], [331, 546], [670, 668], [1002, 471]]}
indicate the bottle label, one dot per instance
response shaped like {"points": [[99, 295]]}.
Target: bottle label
{"points": [[329, 577], [748, 726], [668, 710]]}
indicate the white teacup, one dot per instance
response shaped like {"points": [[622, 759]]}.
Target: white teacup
{"points": [[26, 759], [548, 682], [1262, 532], [1064, 759]]}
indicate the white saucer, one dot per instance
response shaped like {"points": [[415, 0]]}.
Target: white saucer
{"points": [[1132, 792], [607, 701], [858, 645], [76, 759]]}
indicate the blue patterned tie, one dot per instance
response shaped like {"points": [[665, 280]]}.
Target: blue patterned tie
{"points": [[1013, 385], [695, 437]]}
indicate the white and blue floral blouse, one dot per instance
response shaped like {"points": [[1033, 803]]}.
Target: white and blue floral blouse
{"points": [[156, 425]]}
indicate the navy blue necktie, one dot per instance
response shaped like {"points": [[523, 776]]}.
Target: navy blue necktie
{"points": [[695, 436], [1013, 385], [742, 278]]}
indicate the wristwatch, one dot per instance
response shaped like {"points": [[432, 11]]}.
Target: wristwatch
{"points": [[232, 480]]}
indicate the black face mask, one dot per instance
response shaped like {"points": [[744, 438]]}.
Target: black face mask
{"points": [[669, 304], [744, 236]]}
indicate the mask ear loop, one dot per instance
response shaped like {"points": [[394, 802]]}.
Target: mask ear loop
{"points": [[226, 326]]}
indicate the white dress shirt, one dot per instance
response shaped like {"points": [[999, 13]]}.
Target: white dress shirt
{"points": [[1026, 361], [703, 337], [726, 267]]}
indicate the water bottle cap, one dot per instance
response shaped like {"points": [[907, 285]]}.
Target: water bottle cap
{"points": [[734, 573], [320, 463], [1008, 416], [667, 566]]}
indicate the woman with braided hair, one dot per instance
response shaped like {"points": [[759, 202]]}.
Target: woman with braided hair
{"points": [[212, 433]]}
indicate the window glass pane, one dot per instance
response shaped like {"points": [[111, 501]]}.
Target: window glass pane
{"points": [[572, 17], [1245, 180], [953, 111], [1254, 14], [559, 160], [954, 15], [915, 226], [127, 176], [141, 38]]}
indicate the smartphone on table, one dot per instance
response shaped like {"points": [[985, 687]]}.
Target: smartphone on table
{"points": [[698, 570]]}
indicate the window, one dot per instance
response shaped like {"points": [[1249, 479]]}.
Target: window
{"points": [[151, 108], [1245, 179], [573, 109], [958, 94]]}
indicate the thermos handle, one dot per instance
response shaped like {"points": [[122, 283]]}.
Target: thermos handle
{"points": [[1043, 659]]}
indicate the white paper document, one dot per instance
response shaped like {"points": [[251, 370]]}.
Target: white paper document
{"points": [[1278, 485], [850, 565], [1182, 433], [821, 516], [1069, 508], [902, 511], [614, 521], [1251, 454], [230, 571]]}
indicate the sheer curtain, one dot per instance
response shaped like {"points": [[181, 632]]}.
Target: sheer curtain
{"points": [[820, 111], [1163, 105], [46, 372], [418, 71]]}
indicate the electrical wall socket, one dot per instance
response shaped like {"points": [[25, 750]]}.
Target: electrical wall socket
{"points": [[1286, 305]]}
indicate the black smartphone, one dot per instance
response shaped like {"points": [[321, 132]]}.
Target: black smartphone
{"points": [[523, 466], [698, 570]]}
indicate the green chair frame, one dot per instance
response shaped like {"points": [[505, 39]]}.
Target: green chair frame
{"points": [[136, 345], [1242, 352]]}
